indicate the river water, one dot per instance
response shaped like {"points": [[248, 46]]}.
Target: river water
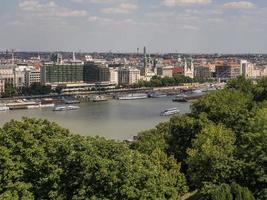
{"points": [[113, 119]]}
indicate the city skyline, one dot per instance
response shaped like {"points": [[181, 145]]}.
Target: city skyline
{"points": [[184, 26]]}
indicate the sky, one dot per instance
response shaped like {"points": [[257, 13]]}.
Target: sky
{"points": [[163, 26]]}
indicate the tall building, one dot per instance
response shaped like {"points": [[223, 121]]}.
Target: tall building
{"points": [[32, 76], [128, 76], [227, 71], [202, 72], [114, 75], [246, 69], [96, 72], [189, 68], [56, 73]]}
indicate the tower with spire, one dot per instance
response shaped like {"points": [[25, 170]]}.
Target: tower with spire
{"points": [[189, 68]]}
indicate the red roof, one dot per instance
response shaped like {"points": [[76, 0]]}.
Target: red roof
{"points": [[178, 70]]}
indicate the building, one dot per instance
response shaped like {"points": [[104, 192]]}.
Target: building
{"points": [[246, 69], [165, 71], [7, 74], [114, 76], [32, 76], [128, 76], [58, 73], [202, 72], [177, 70], [227, 71], [189, 68], [2, 85], [96, 72]]}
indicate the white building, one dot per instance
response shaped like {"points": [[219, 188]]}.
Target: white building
{"points": [[246, 69], [32, 76], [165, 71], [114, 76], [189, 68], [7, 73]]}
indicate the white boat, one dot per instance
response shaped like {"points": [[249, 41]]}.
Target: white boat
{"points": [[4, 108], [133, 96], [73, 107], [59, 108], [170, 111], [157, 95], [47, 105], [98, 98], [197, 91], [33, 106]]}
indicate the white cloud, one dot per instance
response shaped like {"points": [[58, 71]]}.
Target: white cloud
{"points": [[99, 19], [50, 9], [123, 8], [172, 3], [95, 1], [239, 5]]}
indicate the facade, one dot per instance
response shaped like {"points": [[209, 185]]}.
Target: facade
{"points": [[7, 73], [246, 69], [96, 72], [114, 76], [72, 72], [128, 76], [189, 68], [165, 71], [32, 76], [202, 72], [2, 85], [227, 71]]}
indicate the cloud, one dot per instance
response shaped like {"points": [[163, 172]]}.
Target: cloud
{"points": [[239, 5], [95, 1], [50, 9], [123, 8], [99, 19], [171, 3]]}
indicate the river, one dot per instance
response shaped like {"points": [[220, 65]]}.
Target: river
{"points": [[113, 119]]}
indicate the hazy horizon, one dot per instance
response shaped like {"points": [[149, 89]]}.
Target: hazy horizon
{"points": [[122, 26]]}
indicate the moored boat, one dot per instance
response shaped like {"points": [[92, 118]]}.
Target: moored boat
{"points": [[99, 98], [180, 98], [3, 108], [71, 107], [156, 95], [170, 111], [59, 108], [133, 96]]}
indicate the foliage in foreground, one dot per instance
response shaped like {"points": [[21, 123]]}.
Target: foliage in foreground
{"points": [[40, 160], [222, 143]]}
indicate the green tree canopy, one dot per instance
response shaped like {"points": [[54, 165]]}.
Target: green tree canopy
{"points": [[211, 157], [41, 160], [231, 108]]}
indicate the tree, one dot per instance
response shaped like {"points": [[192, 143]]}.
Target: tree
{"points": [[183, 129], [260, 90], [226, 192], [148, 141], [10, 90], [211, 158], [231, 108], [253, 152], [241, 84], [44, 161]]}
